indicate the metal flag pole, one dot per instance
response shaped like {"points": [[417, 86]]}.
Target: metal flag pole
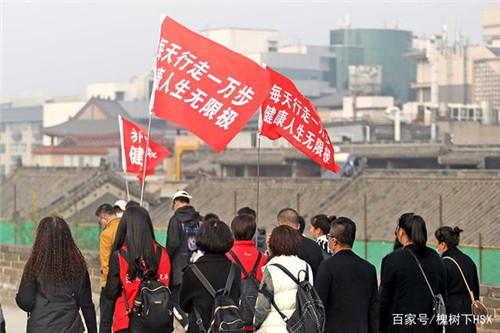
{"points": [[146, 157], [258, 175], [126, 186]]}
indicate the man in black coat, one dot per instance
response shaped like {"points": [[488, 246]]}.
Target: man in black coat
{"points": [[181, 242], [309, 251], [347, 284]]}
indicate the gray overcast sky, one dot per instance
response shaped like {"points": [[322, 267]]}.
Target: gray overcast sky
{"points": [[59, 47]]}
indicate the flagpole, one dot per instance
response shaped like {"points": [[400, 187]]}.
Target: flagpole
{"points": [[258, 174], [146, 157], [126, 186]]}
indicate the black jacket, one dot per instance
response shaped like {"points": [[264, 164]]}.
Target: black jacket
{"points": [[193, 294], [347, 286], [459, 301], [57, 311], [311, 253], [404, 292], [182, 229]]}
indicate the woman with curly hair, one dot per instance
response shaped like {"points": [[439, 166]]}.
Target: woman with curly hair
{"points": [[55, 283]]}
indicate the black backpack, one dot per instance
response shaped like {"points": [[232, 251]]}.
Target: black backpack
{"points": [[249, 290], [153, 308], [225, 313], [309, 315]]}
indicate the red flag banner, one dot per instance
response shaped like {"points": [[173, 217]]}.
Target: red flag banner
{"points": [[134, 142], [204, 87], [287, 113]]}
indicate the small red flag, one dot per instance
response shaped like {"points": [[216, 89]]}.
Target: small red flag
{"points": [[287, 113], [133, 144], [203, 86]]}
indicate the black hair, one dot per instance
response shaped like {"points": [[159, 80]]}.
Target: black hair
{"points": [[415, 229], [55, 262], [302, 224], [243, 227], [105, 209], [450, 236], [131, 203], [288, 215], [397, 244], [344, 230], [133, 214], [323, 222], [136, 231], [210, 217], [182, 199], [214, 236], [247, 211]]}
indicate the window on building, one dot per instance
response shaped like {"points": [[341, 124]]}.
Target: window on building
{"points": [[272, 46], [471, 114], [18, 148], [2, 148], [16, 136], [463, 113]]}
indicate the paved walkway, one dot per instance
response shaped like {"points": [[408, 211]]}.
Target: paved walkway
{"points": [[15, 319]]}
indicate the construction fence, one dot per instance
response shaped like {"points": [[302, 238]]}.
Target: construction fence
{"points": [[87, 238]]}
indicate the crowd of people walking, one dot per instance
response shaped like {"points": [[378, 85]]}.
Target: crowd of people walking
{"points": [[218, 277]]}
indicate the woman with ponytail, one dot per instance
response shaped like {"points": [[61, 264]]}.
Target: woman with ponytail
{"points": [[459, 299], [403, 289], [320, 227]]}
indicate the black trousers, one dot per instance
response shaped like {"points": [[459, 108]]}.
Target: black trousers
{"points": [[107, 310], [175, 298]]}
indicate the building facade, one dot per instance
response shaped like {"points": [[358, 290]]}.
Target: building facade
{"points": [[311, 68], [375, 47], [19, 133]]}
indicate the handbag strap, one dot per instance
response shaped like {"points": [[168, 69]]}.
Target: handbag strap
{"points": [[199, 322], [230, 279], [422, 270], [287, 272], [270, 297], [202, 279], [256, 265], [238, 262], [463, 277]]}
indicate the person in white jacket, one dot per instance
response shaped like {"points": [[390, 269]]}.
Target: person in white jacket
{"points": [[283, 246]]}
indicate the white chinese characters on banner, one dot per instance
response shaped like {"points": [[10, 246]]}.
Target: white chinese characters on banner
{"points": [[297, 122], [136, 153], [229, 90]]}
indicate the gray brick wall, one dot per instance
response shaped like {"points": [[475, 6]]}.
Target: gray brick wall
{"points": [[13, 259]]}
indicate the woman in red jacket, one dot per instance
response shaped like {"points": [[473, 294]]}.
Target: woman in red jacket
{"points": [[135, 251], [244, 252]]}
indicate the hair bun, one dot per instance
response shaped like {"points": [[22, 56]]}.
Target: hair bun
{"points": [[457, 231], [331, 218]]}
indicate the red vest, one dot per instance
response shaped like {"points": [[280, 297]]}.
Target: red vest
{"points": [[131, 288]]}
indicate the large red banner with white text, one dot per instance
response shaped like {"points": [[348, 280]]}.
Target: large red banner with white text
{"points": [[204, 87], [287, 113], [133, 144]]}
